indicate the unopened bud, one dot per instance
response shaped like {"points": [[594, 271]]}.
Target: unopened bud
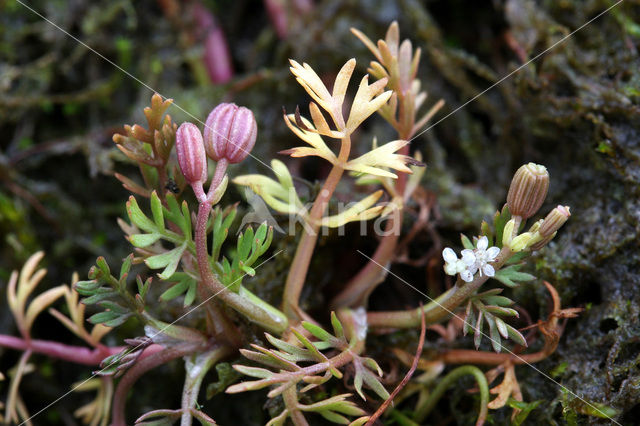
{"points": [[554, 220], [507, 232], [528, 190], [520, 242], [230, 133], [191, 155]]}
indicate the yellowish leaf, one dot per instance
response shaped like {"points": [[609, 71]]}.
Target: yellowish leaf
{"points": [[376, 161], [366, 102], [311, 82], [362, 210], [315, 140], [367, 42], [342, 81], [41, 302]]}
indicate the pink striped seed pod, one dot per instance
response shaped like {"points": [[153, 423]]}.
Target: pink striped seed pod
{"points": [[230, 133], [191, 154]]}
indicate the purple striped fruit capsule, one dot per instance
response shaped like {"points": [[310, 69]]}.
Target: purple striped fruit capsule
{"points": [[230, 133], [191, 154]]}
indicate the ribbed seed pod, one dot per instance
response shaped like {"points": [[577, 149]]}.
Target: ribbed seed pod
{"points": [[191, 154], [230, 132], [528, 190]]}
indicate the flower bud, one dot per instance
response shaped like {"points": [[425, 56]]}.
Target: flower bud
{"points": [[521, 242], [230, 133], [191, 156], [528, 190], [554, 220]]}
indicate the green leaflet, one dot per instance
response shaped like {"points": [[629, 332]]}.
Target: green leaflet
{"points": [[249, 247], [111, 294], [185, 284], [168, 260], [489, 307], [512, 277], [524, 407]]}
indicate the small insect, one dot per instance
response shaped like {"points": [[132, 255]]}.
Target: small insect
{"points": [[172, 186]]}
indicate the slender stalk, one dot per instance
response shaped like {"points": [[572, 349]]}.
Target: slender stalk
{"points": [[218, 174], [300, 264], [438, 309], [256, 311], [423, 411], [135, 372]]}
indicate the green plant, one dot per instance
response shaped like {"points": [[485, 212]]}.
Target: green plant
{"points": [[183, 248]]}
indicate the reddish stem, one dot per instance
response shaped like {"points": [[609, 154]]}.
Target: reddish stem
{"points": [[77, 354], [135, 372], [300, 264]]}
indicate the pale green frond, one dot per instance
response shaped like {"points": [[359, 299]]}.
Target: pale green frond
{"points": [[41, 302], [303, 151], [282, 173], [362, 210], [376, 161], [265, 184], [392, 38], [279, 195], [368, 170], [377, 70]]}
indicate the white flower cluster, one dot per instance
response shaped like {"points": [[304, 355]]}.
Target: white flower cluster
{"points": [[472, 261]]}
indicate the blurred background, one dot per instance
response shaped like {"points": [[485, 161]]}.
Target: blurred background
{"points": [[574, 109]]}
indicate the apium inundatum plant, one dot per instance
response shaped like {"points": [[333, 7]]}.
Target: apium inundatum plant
{"points": [[188, 254]]}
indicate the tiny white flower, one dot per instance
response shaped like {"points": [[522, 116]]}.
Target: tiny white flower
{"points": [[483, 243], [483, 256], [488, 270], [492, 253], [449, 255], [450, 268], [452, 265], [466, 275], [468, 257], [472, 260]]}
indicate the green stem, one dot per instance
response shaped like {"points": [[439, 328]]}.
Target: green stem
{"points": [[423, 411], [439, 308], [300, 264], [254, 309], [197, 369]]}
